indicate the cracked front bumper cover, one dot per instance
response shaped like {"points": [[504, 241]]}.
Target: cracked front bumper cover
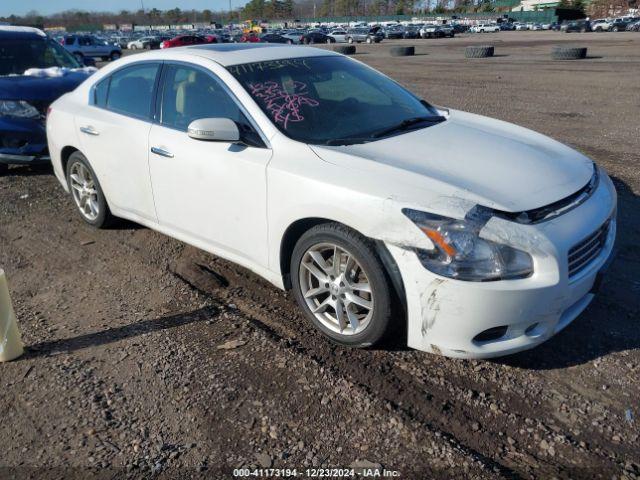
{"points": [[447, 316]]}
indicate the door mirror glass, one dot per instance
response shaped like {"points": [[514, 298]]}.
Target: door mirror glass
{"points": [[214, 129]]}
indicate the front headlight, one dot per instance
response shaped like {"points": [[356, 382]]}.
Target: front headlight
{"points": [[20, 109], [460, 253]]}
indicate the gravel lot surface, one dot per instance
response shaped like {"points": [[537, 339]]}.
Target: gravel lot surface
{"points": [[147, 357]]}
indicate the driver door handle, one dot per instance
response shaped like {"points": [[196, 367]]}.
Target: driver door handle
{"points": [[162, 152], [89, 130]]}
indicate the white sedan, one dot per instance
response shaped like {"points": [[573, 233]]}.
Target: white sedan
{"points": [[326, 177], [340, 36], [140, 43]]}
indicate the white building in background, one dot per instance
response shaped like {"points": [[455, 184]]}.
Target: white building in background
{"points": [[533, 5]]}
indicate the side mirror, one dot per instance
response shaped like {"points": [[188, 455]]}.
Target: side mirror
{"points": [[214, 130], [89, 61]]}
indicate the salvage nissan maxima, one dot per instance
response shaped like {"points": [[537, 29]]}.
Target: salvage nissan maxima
{"points": [[328, 178]]}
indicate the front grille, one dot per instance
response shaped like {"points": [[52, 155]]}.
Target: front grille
{"points": [[582, 253]]}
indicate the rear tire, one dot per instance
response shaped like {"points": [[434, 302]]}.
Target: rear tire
{"points": [[115, 56], [365, 311], [80, 57], [4, 168], [87, 193]]}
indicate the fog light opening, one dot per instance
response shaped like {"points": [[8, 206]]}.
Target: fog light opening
{"points": [[491, 334], [534, 330]]}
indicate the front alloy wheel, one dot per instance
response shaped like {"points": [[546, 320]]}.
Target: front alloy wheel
{"points": [[336, 289], [341, 285]]}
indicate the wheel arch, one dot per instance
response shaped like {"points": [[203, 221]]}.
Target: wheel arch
{"points": [[65, 153], [293, 233]]}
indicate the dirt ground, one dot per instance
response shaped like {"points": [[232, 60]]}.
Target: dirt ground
{"points": [[147, 357]]}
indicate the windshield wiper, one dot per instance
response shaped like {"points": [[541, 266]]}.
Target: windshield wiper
{"points": [[407, 124], [346, 141]]}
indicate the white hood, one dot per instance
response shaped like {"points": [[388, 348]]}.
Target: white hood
{"points": [[487, 161]]}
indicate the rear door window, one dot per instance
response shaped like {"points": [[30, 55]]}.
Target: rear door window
{"points": [[131, 90]]}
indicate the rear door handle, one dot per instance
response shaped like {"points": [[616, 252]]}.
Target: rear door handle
{"points": [[89, 131], [162, 152]]}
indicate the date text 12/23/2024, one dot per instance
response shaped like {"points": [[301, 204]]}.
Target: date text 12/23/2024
{"points": [[356, 472]]}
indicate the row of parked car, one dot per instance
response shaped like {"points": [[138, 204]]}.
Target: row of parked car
{"points": [[616, 24]]}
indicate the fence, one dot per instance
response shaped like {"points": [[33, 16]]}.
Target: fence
{"points": [[541, 16]]}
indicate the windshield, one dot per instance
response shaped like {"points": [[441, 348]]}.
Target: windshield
{"points": [[330, 100], [17, 56]]}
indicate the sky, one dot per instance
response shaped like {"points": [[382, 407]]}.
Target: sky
{"points": [[20, 7]]}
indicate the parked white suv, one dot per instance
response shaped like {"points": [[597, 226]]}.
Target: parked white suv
{"points": [[484, 237], [485, 27], [601, 25]]}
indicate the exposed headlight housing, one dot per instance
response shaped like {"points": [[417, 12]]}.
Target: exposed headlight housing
{"points": [[461, 254], [18, 108]]}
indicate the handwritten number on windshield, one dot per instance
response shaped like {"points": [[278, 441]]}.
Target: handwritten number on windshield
{"points": [[284, 104]]}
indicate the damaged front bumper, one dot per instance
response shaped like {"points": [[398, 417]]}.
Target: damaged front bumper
{"points": [[23, 142], [489, 319]]}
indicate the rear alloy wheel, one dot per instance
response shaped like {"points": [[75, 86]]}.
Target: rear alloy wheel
{"points": [[86, 192], [341, 285], [349, 40], [80, 57]]}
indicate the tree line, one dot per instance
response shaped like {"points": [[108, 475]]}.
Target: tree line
{"points": [[288, 10]]}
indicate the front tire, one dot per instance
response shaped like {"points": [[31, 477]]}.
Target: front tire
{"points": [[86, 192], [341, 285], [115, 56]]}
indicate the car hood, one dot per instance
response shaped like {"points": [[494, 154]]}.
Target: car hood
{"points": [[487, 161], [47, 89]]}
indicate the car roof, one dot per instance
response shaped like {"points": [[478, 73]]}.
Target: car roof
{"points": [[13, 32], [237, 53]]}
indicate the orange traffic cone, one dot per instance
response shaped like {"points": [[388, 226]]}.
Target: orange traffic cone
{"points": [[10, 343]]}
